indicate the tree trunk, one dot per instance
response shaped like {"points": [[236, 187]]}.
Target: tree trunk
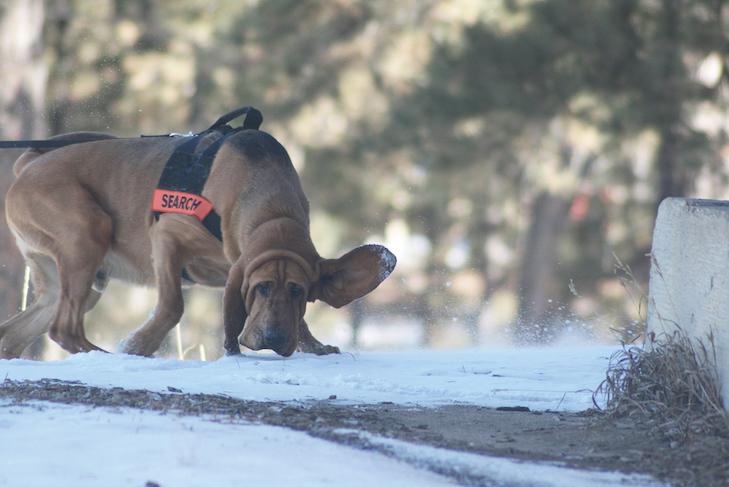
{"points": [[670, 97], [670, 178], [22, 99], [549, 214], [479, 233], [58, 18]]}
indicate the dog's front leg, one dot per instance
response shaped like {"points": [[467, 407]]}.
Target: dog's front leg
{"points": [[234, 310], [309, 344], [168, 263]]}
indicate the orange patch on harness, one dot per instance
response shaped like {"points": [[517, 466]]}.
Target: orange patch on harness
{"points": [[168, 201]]}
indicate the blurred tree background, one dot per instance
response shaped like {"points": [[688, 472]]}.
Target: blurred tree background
{"points": [[512, 153]]}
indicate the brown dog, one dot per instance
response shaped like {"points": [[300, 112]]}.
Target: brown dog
{"points": [[81, 214]]}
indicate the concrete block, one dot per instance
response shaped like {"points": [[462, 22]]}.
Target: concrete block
{"points": [[689, 278]]}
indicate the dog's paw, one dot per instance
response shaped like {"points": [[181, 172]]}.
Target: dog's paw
{"points": [[318, 349], [125, 347], [132, 346], [326, 350], [232, 352]]}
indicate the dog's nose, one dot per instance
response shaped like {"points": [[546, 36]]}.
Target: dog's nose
{"points": [[274, 338]]}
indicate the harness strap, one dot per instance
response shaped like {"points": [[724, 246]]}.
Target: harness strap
{"points": [[252, 121], [182, 181], [184, 176]]}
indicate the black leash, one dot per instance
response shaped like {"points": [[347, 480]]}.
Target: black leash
{"points": [[43, 143], [253, 120]]}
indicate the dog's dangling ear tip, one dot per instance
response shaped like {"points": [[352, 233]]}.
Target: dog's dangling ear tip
{"points": [[388, 261]]}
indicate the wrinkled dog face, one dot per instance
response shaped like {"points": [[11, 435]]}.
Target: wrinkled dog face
{"points": [[272, 300], [275, 301]]}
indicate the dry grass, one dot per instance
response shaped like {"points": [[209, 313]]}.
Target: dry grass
{"points": [[633, 330], [670, 389], [672, 386], [673, 382]]}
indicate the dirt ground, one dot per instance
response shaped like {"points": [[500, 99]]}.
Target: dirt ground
{"points": [[587, 440]]}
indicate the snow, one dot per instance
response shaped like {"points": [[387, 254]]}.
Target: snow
{"points": [[77, 446], [53, 444], [556, 378], [485, 470]]}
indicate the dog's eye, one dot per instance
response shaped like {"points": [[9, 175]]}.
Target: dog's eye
{"points": [[295, 290], [264, 288]]}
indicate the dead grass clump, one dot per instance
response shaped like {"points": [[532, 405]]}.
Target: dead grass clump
{"points": [[672, 382]]}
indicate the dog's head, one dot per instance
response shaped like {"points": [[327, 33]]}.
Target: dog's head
{"points": [[270, 293]]}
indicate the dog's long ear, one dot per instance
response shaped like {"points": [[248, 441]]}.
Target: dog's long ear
{"points": [[353, 275], [234, 310]]}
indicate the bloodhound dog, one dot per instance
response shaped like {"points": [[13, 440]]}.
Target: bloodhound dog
{"points": [[81, 216]]}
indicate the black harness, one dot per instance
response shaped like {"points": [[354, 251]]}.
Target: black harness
{"points": [[183, 178]]}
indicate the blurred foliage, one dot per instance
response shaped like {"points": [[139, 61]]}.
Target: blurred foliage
{"points": [[504, 150]]}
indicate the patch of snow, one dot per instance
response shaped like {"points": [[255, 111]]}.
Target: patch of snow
{"points": [[79, 446], [484, 470], [556, 378], [387, 262]]}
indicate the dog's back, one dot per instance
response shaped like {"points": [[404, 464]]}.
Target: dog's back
{"points": [[252, 170], [269, 183], [32, 154]]}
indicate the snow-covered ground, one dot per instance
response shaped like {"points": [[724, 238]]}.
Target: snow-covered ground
{"points": [[80, 446], [53, 444], [556, 378]]}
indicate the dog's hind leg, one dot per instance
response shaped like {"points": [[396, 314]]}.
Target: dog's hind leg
{"points": [[309, 344], [79, 255], [76, 296], [20, 330], [168, 264], [56, 217]]}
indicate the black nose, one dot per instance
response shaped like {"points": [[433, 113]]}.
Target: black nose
{"points": [[274, 338]]}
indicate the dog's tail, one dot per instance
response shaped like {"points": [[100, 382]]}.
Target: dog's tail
{"points": [[32, 154]]}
